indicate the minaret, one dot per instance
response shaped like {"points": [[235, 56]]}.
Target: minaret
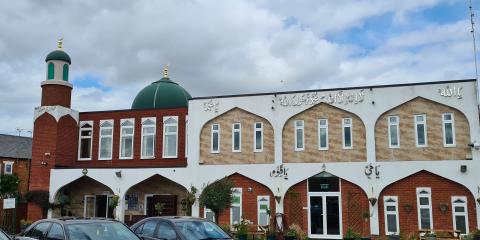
{"points": [[56, 90], [55, 131]]}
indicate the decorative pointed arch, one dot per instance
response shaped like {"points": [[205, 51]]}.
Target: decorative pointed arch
{"points": [[333, 119], [250, 125], [431, 113]]}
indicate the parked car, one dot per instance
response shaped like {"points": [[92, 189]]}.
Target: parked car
{"points": [[77, 229], [4, 235], [178, 228]]}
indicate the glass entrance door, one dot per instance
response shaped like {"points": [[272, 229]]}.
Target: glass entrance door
{"points": [[89, 206], [324, 215]]}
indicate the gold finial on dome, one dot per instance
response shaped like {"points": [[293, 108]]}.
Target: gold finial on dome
{"points": [[165, 71], [60, 43]]}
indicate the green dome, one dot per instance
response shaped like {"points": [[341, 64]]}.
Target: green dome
{"points": [[58, 55], [161, 94]]}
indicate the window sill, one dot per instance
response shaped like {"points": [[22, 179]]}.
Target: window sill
{"points": [[169, 156], [84, 159], [104, 159], [148, 158], [126, 158]]}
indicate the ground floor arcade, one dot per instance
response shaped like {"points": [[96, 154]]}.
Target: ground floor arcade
{"points": [[324, 203]]}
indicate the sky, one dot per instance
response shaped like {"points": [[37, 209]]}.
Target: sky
{"points": [[118, 47]]}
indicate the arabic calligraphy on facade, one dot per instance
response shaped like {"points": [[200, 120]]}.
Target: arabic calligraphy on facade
{"points": [[340, 97], [451, 92]]}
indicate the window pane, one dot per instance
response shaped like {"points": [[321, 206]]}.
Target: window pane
{"points": [[323, 122], [421, 134], [461, 225], [263, 219], [393, 135], [299, 123], [106, 132], [448, 133], [419, 118], [215, 127], [347, 137], [86, 133], [459, 209], [235, 215], [258, 140], [425, 218], [210, 216], [127, 130], [105, 150], [147, 130], [55, 233], [39, 230], [299, 138], [215, 142], [447, 117], [171, 145], [323, 137], [393, 119], [258, 125], [85, 148], [236, 140], [347, 121], [391, 208], [166, 232], [149, 228], [171, 129], [236, 126], [392, 223], [424, 201], [127, 143], [147, 145]]}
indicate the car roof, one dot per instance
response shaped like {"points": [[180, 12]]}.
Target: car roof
{"points": [[73, 220], [177, 218]]}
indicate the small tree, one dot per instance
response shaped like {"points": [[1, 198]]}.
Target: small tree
{"points": [[9, 185], [217, 196]]}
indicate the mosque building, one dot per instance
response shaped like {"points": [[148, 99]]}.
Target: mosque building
{"points": [[378, 160]]}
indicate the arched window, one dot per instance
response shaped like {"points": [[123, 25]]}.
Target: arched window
{"points": [[65, 72], [51, 71]]}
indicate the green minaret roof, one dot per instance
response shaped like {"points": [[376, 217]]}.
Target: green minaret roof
{"points": [[58, 55]]}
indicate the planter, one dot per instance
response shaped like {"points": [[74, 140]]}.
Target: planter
{"points": [[242, 237]]}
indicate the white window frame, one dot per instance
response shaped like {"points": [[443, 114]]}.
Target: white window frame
{"points": [[326, 134], [344, 125], [255, 130], [386, 212], [419, 207], [260, 197], [186, 136], [165, 125], [207, 210], [122, 121], [5, 164], [234, 190], [452, 121], [416, 123], [218, 137], [100, 136], [299, 128], [465, 214], [390, 124], [154, 119], [239, 131], [80, 137]]}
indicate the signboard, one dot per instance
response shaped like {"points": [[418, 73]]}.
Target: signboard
{"points": [[8, 203]]}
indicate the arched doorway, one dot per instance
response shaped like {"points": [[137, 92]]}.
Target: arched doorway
{"points": [[324, 201], [142, 197], [84, 197]]}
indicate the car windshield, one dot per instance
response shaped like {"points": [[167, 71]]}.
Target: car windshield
{"points": [[196, 230], [100, 231], [3, 236]]}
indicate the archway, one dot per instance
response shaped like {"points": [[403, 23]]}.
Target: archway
{"points": [[141, 199], [325, 206], [84, 197]]}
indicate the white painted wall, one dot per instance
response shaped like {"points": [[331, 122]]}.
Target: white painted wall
{"points": [[268, 106]]}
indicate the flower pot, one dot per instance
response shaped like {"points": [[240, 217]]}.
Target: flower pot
{"points": [[242, 237]]}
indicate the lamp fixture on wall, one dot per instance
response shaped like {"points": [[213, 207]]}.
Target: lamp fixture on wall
{"points": [[475, 145], [372, 201], [118, 174]]}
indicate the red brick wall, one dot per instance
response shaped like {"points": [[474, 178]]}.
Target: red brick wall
{"points": [[21, 167], [67, 141], [249, 199], [442, 191], [44, 141], [293, 205], [180, 161], [53, 95]]}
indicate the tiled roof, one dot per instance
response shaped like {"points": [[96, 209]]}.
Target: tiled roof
{"points": [[15, 147]]}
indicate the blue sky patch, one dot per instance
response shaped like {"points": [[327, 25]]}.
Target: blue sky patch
{"points": [[90, 81]]}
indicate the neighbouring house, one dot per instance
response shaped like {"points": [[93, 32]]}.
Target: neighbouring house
{"points": [[15, 156], [379, 160]]}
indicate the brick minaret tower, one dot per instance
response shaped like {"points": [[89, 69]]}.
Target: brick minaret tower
{"points": [[55, 127]]}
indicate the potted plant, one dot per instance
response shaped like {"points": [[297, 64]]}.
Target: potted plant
{"points": [[242, 229], [291, 234], [351, 235], [159, 207], [475, 235]]}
